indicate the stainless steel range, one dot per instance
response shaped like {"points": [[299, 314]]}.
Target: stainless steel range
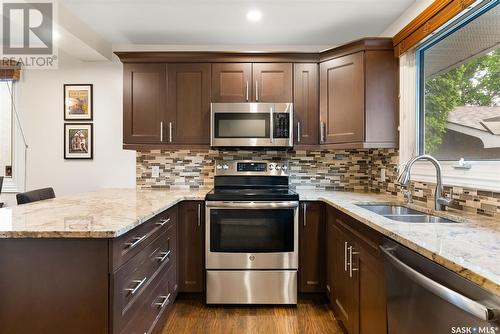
{"points": [[251, 234]]}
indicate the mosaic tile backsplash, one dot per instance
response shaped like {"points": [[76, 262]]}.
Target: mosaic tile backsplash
{"points": [[350, 170]]}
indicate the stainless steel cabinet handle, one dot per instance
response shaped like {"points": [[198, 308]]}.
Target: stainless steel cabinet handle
{"points": [[135, 241], [199, 214], [256, 91], [163, 256], [169, 132], [247, 90], [468, 305], [164, 302], [163, 222], [298, 132], [161, 131], [304, 213], [351, 253], [271, 124], [322, 131], [139, 283], [345, 256]]}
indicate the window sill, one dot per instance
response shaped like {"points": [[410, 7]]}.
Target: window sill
{"points": [[482, 175]]}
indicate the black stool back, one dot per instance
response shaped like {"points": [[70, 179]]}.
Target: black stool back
{"points": [[35, 195]]}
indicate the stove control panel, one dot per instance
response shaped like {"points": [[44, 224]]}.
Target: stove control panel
{"points": [[252, 168]]}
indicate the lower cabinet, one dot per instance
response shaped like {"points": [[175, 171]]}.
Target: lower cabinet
{"points": [[355, 277], [311, 247], [191, 246]]}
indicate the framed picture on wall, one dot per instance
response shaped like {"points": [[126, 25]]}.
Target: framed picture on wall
{"points": [[78, 102], [78, 141]]}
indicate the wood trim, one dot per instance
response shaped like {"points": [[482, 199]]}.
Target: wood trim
{"points": [[369, 43], [431, 19], [10, 70], [216, 57]]}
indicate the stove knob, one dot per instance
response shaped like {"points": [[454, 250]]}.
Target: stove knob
{"points": [[278, 167], [219, 166], [284, 168], [225, 166], [271, 166]]}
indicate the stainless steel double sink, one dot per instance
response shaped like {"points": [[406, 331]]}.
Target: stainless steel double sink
{"points": [[403, 214]]}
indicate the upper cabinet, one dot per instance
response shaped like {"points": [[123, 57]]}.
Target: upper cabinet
{"points": [[188, 103], [231, 82], [358, 96], [247, 82], [306, 103], [272, 82], [143, 103]]}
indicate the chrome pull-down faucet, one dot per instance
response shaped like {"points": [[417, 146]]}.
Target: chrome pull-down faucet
{"points": [[440, 202]]}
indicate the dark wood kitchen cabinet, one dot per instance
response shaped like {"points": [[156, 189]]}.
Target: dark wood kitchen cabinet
{"points": [[312, 247], [191, 246], [306, 103], [358, 97], [188, 104], [231, 82], [121, 285], [143, 102], [272, 82], [355, 276]]}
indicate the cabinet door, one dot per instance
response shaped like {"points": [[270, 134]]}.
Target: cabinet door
{"points": [[143, 103], [272, 82], [231, 82], [191, 246], [306, 103], [312, 248], [342, 99], [371, 291], [188, 109]]}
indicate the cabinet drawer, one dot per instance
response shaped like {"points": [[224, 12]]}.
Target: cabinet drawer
{"points": [[131, 243], [156, 305], [133, 279]]}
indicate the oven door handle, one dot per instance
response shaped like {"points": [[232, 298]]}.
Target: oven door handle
{"points": [[253, 205]]}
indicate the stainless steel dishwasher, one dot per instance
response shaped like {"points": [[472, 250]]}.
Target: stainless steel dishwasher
{"points": [[424, 297]]}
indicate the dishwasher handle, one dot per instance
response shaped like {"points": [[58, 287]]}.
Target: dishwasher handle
{"points": [[468, 305]]}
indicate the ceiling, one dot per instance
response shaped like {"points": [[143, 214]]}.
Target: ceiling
{"points": [[313, 23]]}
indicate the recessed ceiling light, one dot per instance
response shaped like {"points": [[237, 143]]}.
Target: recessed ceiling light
{"points": [[254, 15]]}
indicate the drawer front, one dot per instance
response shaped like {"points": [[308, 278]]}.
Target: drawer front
{"points": [[133, 279], [128, 245], [156, 305]]}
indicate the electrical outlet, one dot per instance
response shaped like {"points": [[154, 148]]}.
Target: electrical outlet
{"points": [[155, 171], [382, 175]]}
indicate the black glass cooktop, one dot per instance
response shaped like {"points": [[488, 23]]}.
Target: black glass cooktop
{"points": [[252, 194]]}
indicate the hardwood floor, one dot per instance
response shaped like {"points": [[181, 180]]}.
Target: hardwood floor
{"points": [[311, 316]]}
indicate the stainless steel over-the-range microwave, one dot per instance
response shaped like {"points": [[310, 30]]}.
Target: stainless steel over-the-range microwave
{"points": [[251, 124]]}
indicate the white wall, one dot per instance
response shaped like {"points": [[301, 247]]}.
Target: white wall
{"points": [[41, 103]]}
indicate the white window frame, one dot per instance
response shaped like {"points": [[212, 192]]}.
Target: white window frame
{"points": [[483, 175], [17, 182]]}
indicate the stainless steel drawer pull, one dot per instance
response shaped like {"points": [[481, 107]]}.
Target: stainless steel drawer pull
{"points": [[345, 256], [138, 283], [304, 213], [162, 222], [163, 256], [351, 253], [135, 241], [164, 302], [312, 282], [199, 214]]}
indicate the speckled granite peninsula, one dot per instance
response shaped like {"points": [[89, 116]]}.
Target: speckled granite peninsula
{"points": [[470, 248]]}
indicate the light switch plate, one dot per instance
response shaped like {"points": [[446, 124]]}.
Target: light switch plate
{"points": [[155, 171]]}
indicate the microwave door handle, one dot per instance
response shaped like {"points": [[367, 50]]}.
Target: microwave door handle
{"points": [[468, 305], [271, 124]]}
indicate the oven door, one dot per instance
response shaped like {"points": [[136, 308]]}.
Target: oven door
{"points": [[251, 124], [252, 235]]}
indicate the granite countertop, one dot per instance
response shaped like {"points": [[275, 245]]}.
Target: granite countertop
{"points": [[471, 248]]}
